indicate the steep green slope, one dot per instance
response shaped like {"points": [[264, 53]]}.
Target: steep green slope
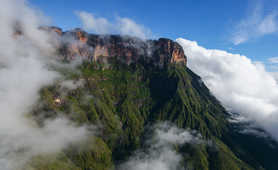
{"points": [[123, 100]]}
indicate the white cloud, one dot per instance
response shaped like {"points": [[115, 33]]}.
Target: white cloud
{"points": [[127, 26], [24, 70], [161, 153], [255, 25], [273, 60], [92, 23], [241, 85], [123, 26]]}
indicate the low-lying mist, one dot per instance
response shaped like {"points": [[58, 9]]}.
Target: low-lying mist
{"points": [[161, 153], [26, 55]]}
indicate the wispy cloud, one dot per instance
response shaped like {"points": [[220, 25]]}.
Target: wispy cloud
{"points": [[273, 60], [97, 24], [256, 24], [123, 26]]}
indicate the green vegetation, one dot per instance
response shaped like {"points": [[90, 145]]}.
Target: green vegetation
{"points": [[123, 100]]}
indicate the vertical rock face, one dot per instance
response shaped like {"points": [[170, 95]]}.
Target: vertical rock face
{"points": [[126, 49], [52, 29], [170, 50], [79, 34]]}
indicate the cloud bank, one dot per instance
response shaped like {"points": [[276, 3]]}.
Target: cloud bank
{"points": [[25, 56], [243, 86], [161, 153], [255, 25], [123, 26]]}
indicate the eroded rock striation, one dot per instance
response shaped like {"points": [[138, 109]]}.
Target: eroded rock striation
{"points": [[103, 48]]}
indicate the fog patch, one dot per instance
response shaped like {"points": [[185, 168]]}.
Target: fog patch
{"points": [[27, 59], [161, 153]]}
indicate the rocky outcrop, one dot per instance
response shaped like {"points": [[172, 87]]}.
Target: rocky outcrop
{"points": [[103, 48], [52, 29], [170, 50]]}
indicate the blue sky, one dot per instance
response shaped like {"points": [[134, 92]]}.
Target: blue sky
{"points": [[214, 24]]}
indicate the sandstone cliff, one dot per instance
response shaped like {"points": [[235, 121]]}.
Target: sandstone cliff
{"points": [[126, 49]]}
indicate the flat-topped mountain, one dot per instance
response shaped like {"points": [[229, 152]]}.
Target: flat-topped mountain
{"points": [[127, 49], [146, 83]]}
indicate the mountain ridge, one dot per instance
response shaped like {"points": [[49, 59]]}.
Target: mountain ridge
{"points": [[101, 48], [126, 89]]}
